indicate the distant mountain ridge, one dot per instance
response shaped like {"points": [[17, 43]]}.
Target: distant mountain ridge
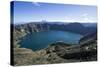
{"points": [[80, 28]]}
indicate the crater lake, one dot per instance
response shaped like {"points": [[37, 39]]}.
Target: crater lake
{"points": [[40, 40]]}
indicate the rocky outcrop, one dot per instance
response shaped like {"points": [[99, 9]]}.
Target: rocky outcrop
{"points": [[77, 52], [88, 38]]}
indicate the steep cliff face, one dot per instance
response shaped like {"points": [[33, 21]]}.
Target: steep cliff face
{"points": [[27, 28], [21, 30]]}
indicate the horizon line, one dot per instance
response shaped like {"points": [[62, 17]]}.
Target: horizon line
{"points": [[49, 22]]}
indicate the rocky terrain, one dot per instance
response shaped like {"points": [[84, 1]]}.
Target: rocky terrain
{"points": [[58, 52]]}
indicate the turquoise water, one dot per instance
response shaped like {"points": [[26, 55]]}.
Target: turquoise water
{"points": [[39, 40]]}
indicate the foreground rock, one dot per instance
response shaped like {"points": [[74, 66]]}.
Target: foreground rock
{"points": [[56, 53], [86, 52]]}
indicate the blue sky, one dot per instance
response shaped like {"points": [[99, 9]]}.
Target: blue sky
{"points": [[36, 11]]}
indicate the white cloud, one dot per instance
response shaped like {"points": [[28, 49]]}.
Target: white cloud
{"points": [[86, 18], [36, 3], [85, 15]]}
